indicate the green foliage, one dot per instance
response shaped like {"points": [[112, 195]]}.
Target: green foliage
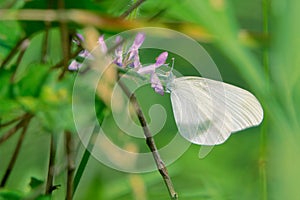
{"points": [[260, 163]]}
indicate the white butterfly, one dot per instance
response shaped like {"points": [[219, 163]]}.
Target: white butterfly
{"points": [[208, 111]]}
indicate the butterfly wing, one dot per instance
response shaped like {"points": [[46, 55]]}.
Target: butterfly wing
{"points": [[207, 111]]}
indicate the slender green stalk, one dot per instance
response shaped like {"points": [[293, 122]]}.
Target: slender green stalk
{"points": [[71, 164], [85, 158], [263, 147], [51, 165]]}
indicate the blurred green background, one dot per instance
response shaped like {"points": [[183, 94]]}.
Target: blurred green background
{"points": [[255, 45]]}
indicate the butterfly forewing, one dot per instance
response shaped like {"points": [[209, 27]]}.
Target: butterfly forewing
{"points": [[207, 111]]}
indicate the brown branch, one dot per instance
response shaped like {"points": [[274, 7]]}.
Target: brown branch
{"points": [[150, 141], [71, 164], [51, 167], [16, 152], [132, 8]]}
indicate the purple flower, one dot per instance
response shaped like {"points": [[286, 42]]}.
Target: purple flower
{"points": [[131, 59], [156, 84], [134, 50], [119, 52], [79, 39], [102, 44], [74, 66], [160, 60]]}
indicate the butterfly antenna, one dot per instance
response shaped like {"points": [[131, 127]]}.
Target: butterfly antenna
{"points": [[173, 60]]}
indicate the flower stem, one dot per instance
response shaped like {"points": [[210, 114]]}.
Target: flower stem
{"points": [[150, 141]]}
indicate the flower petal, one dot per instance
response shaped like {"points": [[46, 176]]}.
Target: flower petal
{"points": [[102, 44], [161, 59], [156, 84], [74, 66], [119, 52], [150, 69], [139, 39]]}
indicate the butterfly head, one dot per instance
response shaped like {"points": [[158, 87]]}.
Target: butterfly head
{"points": [[167, 77]]}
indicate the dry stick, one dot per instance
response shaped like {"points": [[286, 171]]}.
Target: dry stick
{"points": [[51, 169], [71, 164], [16, 152], [134, 6], [150, 141]]}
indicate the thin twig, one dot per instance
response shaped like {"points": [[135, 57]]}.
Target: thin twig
{"points": [[12, 121], [61, 63], [51, 165], [132, 8], [14, 129], [150, 141], [45, 42], [16, 152], [71, 165], [23, 48], [13, 52]]}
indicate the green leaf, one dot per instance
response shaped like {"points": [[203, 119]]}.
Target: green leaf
{"points": [[33, 54], [10, 195], [34, 182], [217, 17], [5, 86], [33, 80], [8, 38], [56, 104], [9, 107]]}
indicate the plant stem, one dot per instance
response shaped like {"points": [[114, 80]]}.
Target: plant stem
{"points": [[150, 141], [65, 40], [71, 165], [14, 129], [85, 158], [61, 63], [13, 52], [12, 162], [51, 165], [24, 45], [12, 121], [45, 42], [262, 160], [132, 8]]}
